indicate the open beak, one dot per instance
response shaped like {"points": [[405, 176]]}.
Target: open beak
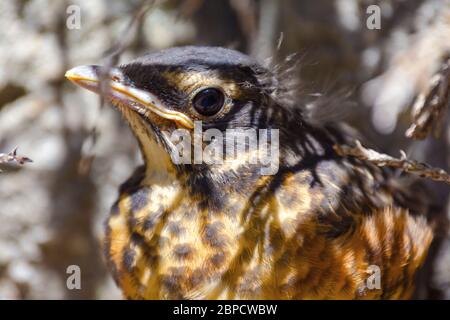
{"points": [[89, 77]]}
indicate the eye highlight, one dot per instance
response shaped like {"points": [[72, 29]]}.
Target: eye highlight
{"points": [[208, 102]]}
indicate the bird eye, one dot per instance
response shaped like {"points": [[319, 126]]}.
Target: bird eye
{"points": [[208, 102]]}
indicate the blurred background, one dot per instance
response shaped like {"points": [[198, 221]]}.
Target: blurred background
{"points": [[51, 210]]}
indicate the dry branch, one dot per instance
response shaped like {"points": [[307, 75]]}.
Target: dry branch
{"points": [[384, 160], [430, 107], [111, 58], [13, 157]]}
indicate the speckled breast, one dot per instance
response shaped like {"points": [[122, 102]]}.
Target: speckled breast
{"points": [[289, 242]]}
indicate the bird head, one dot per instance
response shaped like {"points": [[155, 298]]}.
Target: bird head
{"points": [[179, 87]]}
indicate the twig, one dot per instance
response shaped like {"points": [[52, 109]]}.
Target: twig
{"points": [[246, 14], [112, 55], [263, 44], [110, 58], [13, 157], [383, 160], [430, 106]]}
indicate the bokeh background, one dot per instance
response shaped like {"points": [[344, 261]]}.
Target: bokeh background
{"points": [[51, 210]]}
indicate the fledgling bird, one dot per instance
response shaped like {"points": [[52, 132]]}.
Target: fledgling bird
{"points": [[315, 229]]}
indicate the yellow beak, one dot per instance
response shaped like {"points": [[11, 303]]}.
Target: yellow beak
{"points": [[88, 77]]}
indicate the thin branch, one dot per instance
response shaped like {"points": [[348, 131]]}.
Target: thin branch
{"points": [[111, 58], [112, 55], [13, 157], [262, 46], [430, 107], [383, 160]]}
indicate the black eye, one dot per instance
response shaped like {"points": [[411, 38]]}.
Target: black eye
{"points": [[208, 102]]}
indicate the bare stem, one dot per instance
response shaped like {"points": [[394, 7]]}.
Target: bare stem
{"points": [[430, 106], [384, 160], [13, 157]]}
